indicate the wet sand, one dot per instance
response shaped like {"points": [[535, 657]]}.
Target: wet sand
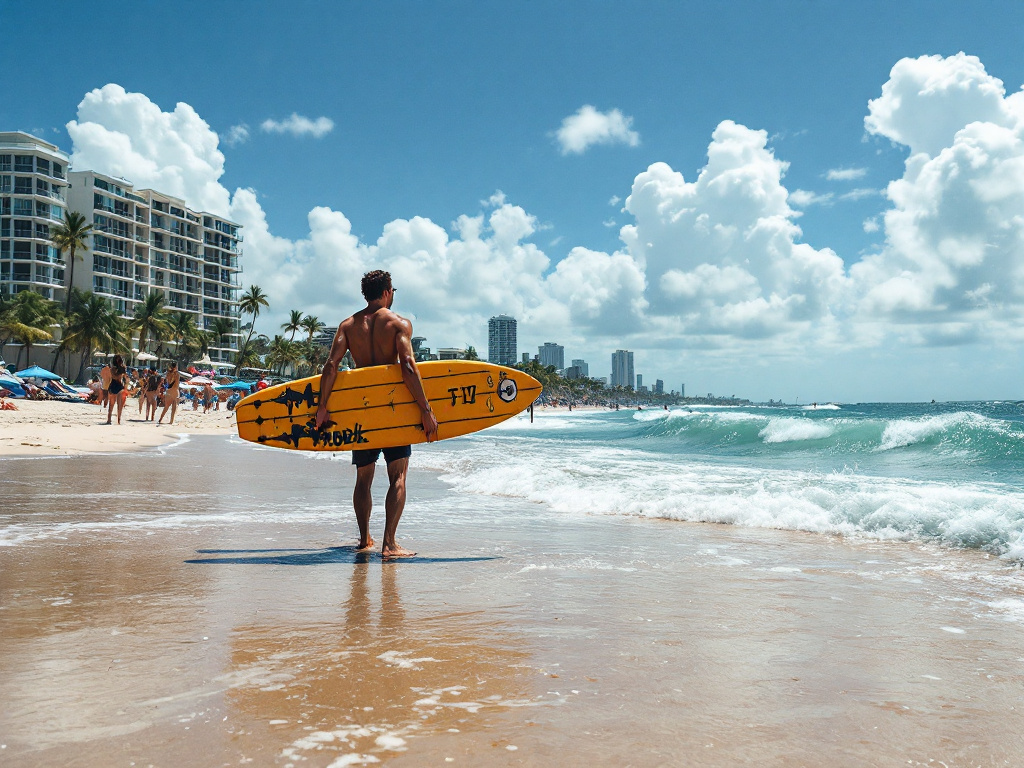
{"points": [[204, 606]]}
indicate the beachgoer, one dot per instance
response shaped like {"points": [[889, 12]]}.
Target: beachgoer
{"points": [[152, 385], [105, 381], [117, 389], [377, 336], [171, 379], [262, 383], [208, 396], [95, 390]]}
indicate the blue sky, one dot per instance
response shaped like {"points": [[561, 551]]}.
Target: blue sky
{"points": [[436, 106]]}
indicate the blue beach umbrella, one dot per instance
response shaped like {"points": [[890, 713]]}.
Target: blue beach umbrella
{"points": [[35, 372], [241, 385]]}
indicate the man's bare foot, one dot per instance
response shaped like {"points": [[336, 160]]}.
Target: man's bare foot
{"points": [[368, 545], [396, 551]]}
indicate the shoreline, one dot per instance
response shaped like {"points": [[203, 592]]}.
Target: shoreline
{"points": [[243, 627], [53, 428]]}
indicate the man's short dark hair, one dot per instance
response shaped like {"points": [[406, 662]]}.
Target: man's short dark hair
{"points": [[375, 283]]}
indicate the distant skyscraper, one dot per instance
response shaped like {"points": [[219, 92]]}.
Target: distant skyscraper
{"points": [[584, 368], [501, 340], [526, 357], [659, 387], [622, 368], [552, 354], [639, 381], [682, 390]]}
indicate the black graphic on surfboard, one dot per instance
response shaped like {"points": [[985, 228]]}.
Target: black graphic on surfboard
{"points": [[291, 398], [325, 436]]}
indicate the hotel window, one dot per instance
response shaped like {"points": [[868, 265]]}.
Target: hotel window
{"points": [[57, 213], [22, 228], [42, 166], [43, 231], [5, 183], [42, 187], [22, 207], [5, 206], [5, 162], [23, 185], [43, 210], [23, 163], [5, 270], [5, 227], [58, 170], [22, 272], [22, 250]]}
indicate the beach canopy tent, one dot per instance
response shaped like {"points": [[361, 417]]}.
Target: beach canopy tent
{"points": [[240, 385], [203, 361], [35, 372], [145, 357]]}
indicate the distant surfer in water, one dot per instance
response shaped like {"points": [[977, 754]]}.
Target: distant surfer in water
{"points": [[377, 336]]}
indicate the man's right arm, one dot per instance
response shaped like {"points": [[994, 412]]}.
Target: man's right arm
{"points": [[330, 373]]}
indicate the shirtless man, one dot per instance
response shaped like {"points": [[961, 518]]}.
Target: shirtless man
{"points": [[377, 336]]}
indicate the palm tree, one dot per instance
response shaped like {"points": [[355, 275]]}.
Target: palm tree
{"points": [[93, 324], [218, 329], [250, 303], [311, 325], [70, 237], [294, 323], [26, 319], [471, 353], [150, 318], [248, 356], [183, 331]]}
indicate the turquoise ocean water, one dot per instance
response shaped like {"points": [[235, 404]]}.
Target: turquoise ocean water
{"points": [[946, 473]]}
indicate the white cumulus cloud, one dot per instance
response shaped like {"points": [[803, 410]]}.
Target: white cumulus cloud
{"points": [[237, 134], [588, 127], [721, 253], [297, 125], [954, 237]]}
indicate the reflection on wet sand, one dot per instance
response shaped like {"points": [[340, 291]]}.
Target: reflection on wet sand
{"points": [[374, 679]]}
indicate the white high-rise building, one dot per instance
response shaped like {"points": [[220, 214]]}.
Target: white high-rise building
{"points": [[622, 368], [552, 354], [501, 340], [33, 184], [146, 241]]}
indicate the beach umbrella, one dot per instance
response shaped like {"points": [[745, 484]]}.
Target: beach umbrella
{"points": [[35, 372], [240, 385], [200, 380], [204, 360], [144, 357]]}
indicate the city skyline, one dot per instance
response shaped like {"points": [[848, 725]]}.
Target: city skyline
{"points": [[817, 203]]}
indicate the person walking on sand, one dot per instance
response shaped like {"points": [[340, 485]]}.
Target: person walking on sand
{"points": [[105, 381], [208, 395], [152, 385], [171, 379], [117, 389], [377, 336]]}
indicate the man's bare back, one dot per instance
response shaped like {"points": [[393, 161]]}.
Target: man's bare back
{"points": [[371, 336], [377, 336]]}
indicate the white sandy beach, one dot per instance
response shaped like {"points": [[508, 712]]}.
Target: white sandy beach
{"points": [[52, 428]]}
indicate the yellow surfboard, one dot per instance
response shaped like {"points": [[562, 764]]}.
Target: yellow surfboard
{"points": [[372, 407]]}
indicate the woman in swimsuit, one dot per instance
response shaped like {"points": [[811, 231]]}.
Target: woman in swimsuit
{"points": [[152, 385], [171, 395], [116, 391]]}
